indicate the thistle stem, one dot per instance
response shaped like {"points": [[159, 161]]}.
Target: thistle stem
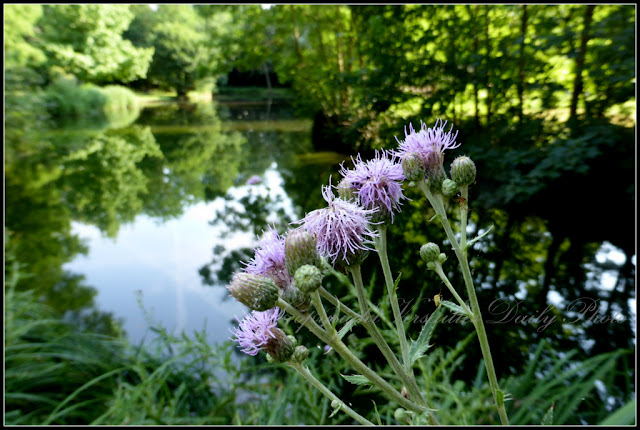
{"points": [[438, 206], [336, 302], [336, 343], [306, 374], [381, 247], [444, 278], [375, 334], [317, 303], [464, 190]]}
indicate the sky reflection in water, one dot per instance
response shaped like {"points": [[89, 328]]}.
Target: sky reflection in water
{"points": [[160, 260]]}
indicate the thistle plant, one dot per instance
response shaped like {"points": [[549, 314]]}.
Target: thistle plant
{"points": [[287, 272]]}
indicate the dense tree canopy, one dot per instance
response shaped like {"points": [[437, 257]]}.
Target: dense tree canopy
{"points": [[86, 40]]}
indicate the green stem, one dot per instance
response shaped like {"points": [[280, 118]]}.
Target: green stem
{"points": [[477, 320], [317, 303], [375, 334], [334, 342], [306, 374], [381, 247], [464, 190], [336, 302], [444, 278]]}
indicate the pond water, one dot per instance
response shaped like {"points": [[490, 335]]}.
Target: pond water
{"points": [[163, 204]]}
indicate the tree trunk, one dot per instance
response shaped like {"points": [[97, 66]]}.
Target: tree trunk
{"points": [[296, 32], [549, 270], [472, 16], [503, 245], [488, 66], [578, 83], [266, 74], [521, 62]]}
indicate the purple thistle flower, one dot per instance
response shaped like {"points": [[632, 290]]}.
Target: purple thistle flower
{"points": [[269, 259], [341, 228], [429, 144], [256, 329], [377, 182]]}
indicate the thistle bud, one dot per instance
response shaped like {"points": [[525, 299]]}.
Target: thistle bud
{"points": [[308, 278], [429, 252], [463, 170], [413, 167], [300, 354], [300, 249], [280, 347], [449, 188], [325, 267], [346, 191], [255, 291], [296, 298]]}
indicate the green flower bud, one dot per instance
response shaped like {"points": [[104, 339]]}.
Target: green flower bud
{"points": [[413, 167], [442, 257], [325, 267], [296, 298], [300, 354], [308, 278], [429, 252], [431, 265], [280, 347], [449, 188], [346, 191], [300, 249], [257, 292], [463, 170]]}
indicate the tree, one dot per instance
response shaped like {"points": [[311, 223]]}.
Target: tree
{"points": [[86, 40], [19, 34], [183, 52]]}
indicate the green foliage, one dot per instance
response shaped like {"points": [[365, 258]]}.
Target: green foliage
{"points": [[623, 416], [418, 347], [185, 47], [86, 41], [19, 30], [48, 362], [69, 99]]}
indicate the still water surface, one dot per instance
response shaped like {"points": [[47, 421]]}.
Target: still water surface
{"points": [[150, 269]]}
